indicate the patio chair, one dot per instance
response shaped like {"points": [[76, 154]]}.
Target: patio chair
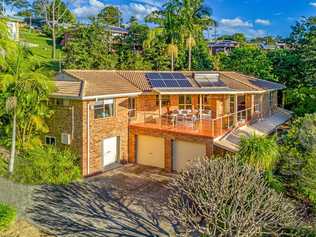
{"points": [[206, 114]]}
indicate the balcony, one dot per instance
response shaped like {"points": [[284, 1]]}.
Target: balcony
{"points": [[198, 123]]}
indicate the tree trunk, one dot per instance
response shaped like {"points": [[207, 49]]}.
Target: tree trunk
{"points": [[172, 67], [190, 56], [53, 32], [12, 156]]}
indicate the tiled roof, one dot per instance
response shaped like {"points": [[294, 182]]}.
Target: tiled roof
{"points": [[105, 82], [137, 78], [99, 82], [67, 88]]}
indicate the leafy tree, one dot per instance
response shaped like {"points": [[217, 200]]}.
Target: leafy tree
{"points": [[56, 14], [238, 37], [89, 48], [298, 164], [249, 60], [110, 15], [259, 151], [128, 60], [218, 197], [17, 4]]}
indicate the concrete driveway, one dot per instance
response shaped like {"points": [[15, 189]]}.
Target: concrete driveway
{"points": [[129, 201]]}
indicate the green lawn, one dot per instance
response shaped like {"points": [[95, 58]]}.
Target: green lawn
{"points": [[43, 49]]}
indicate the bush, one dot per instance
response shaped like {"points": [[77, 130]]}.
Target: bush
{"points": [[7, 216], [47, 165], [298, 161], [3, 166], [222, 198], [259, 151]]}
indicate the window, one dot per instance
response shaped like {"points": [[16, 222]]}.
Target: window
{"points": [[185, 102], [131, 107], [104, 109], [58, 102], [50, 140], [206, 102], [165, 100]]}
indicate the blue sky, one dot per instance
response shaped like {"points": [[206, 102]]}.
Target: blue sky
{"points": [[252, 17]]}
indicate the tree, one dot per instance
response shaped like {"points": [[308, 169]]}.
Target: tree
{"points": [[249, 60], [89, 48], [238, 37], [17, 4], [111, 16], [11, 105], [56, 14], [219, 197]]}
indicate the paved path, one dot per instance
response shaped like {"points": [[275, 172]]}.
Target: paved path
{"points": [[130, 201]]}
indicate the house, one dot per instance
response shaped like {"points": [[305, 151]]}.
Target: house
{"points": [[222, 46], [160, 119], [14, 23]]}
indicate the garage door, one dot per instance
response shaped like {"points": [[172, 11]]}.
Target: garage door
{"points": [[109, 149], [150, 151], [184, 152]]}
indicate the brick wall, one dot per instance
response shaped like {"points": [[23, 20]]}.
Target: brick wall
{"points": [[99, 129]]}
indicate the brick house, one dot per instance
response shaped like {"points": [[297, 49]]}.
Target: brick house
{"points": [[160, 119]]}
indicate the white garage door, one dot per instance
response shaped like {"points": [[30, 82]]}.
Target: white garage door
{"points": [[109, 150], [150, 151], [184, 152]]}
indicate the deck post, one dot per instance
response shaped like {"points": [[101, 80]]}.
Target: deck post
{"points": [[235, 110], [252, 105], [160, 105], [201, 106]]}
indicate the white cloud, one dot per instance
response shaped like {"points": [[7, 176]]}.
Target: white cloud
{"points": [[138, 10], [236, 25], [263, 22], [236, 22], [313, 4], [91, 9]]}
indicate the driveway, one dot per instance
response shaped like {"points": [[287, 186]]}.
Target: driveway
{"points": [[129, 201]]}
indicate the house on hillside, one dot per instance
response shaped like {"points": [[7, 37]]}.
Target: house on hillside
{"points": [[222, 46], [159, 119]]}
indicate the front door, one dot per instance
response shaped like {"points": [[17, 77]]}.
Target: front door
{"points": [[109, 148]]}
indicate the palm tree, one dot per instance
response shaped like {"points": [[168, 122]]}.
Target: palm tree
{"points": [[172, 51], [11, 106], [195, 18], [190, 43]]}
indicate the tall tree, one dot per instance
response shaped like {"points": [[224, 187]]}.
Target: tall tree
{"points": [[17, 4], [56, 14], [110, 15]]}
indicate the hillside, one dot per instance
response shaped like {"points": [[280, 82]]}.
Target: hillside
{"points": [[41, 46]]}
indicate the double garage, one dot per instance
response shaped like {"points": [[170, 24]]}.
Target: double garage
{"points": [[168, 152]]}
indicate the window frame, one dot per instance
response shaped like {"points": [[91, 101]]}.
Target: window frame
{"points": [[102, 104], [51, 138], [187, 102]]}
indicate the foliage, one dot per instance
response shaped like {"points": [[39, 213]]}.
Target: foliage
{"points": [[110, 15], [298, 162], [7, 216], [238, 37], [259, 151], [21, 78], [249, 60], [17, 4], [3, 166], [90, 48], [301, 100], [221, 198], [47, 165]]}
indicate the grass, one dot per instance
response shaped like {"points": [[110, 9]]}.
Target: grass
{"points": [[43, 48]]}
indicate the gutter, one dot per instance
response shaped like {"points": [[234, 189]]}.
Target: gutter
{"points": [[110, 96]]}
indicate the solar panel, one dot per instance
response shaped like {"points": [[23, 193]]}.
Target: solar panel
{"points": [[184, 83], [166, 75], [167, 79], [179, 76], [171, 83], [210, 83], [157, 83], [153, 76]]}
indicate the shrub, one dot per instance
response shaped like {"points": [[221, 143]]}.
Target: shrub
{"points": [[298, 160], [222, 198], [3, 166], [259, 151], [47, 165], [7, 216]]}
